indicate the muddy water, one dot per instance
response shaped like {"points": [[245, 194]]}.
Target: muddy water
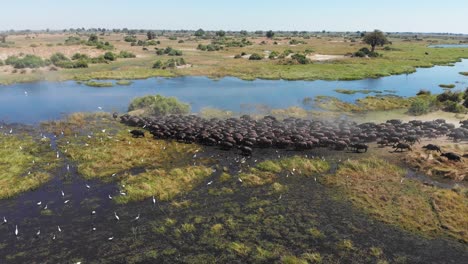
{"points": [[305, 203]]}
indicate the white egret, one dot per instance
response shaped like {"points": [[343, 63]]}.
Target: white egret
{"points": [[110, 197], [123, 193], [11, 130], [116, 216], [53, 237], [58, 155], [59, 229], [39, 203], [4, 220], [113, 174], [87, 186], [16, 230], [93, 212], [209, 183], [66, 201], [63, 194], [240, 180], [110, 238], [45, 207], [94, 229], [154, 200], [137, 217], [38, 233], [68, 167]]}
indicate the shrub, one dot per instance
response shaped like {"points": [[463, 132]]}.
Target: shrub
{"points": [[359, 54], [28, 61], [159, 105], [419, 107], [1, 63], [255, 56], [237, 56], [424, 92], [93, 38], [300, 58], [110, 56], [157, 65], [99, 59], [58, 57], [449, 96], [126, 54], [454, 107], [130, 39], [175, 52], [273, 55], [79, 56], [73, 41]]}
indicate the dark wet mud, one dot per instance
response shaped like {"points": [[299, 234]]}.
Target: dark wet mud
{"points": [[258, 225]]}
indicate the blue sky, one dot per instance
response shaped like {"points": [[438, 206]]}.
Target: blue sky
{"points": [[311, 15]]}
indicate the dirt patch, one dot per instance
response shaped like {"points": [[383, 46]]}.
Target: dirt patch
{"points": [[323, 57]]}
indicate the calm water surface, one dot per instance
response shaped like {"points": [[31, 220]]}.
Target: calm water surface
{"points": [[34, 102]]}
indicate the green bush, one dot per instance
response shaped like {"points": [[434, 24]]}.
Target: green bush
{"points": [[28, 61], [130, 39], [79, 56], [73, 41], [157, 65], [1, 63], [99, 59], [273, 55], [419, 107], [110, 56], [454, 107], [159, 105], [449, 96], [447, 86], [300, 58], [255, 56], [58, 57], [423, 92], [126, 54]]}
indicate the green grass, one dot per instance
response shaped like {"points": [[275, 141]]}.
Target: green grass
{"points": [[376, 186], [18, 173], [345, 91], [447, 86], [163, 184], [124, 82], [98, 84], [266, 172]]}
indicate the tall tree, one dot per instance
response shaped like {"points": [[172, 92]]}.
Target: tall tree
{"points": [[270, 34], [199, 33], [375, 38], [150, 35]]}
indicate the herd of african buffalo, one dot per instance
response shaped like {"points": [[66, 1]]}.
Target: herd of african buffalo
{"points": [[245, 133]]}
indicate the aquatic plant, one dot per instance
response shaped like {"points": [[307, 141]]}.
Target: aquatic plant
{"points": [[25, 164], [98, 84]]}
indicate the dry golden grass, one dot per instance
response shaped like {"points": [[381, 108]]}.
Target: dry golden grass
{"points": [[377, 187], [432, 164]]}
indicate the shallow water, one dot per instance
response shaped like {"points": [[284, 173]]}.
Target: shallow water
{"points": [[449, 46], [34, 102]]}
